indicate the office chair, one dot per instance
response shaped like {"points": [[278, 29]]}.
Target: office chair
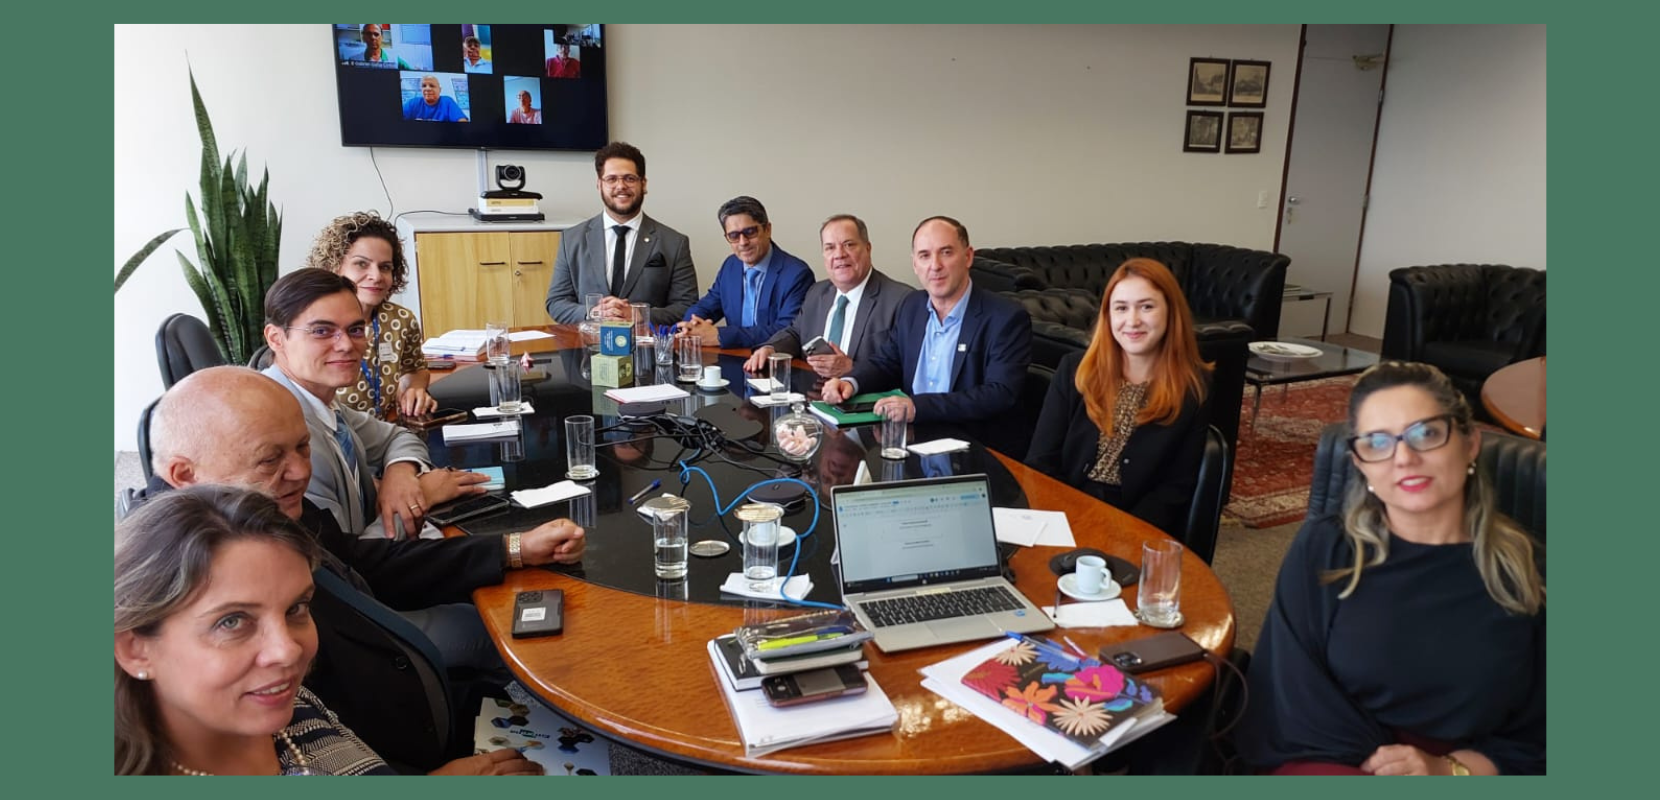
{"points": [[183, 345], [1027, 408], [1210, 494], [144, 452], [261, 358], [1514, 465]]}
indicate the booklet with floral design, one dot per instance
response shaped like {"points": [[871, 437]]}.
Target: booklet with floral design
{"points": [[1079, 698]]}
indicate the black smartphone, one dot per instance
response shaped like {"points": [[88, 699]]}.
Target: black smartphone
{"points": [[863, 407], [457, 510], [538, 613], [817, 346], [817, 684], [1153, 652], [438, 417]]}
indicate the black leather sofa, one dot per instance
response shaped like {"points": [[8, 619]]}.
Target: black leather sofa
{"points": [[1467, 319]]}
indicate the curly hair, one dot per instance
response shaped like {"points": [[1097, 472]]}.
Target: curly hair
{"points": [[332, 242]]}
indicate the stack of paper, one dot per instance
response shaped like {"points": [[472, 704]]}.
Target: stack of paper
{"points": [[767, 729], [946, 680], [456, 343], [647, 394], [1032, 528], [938, 446], [491, 412], [481, 430], [553, 493], [797, 587]]}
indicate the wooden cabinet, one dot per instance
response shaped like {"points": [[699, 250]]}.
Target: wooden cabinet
{"points": [[468, 277]]}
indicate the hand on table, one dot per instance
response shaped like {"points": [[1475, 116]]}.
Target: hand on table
{"points": [[834, 365], [757, 362], [401, 498], [898, 409], [1404, 759], [505, 761], [836, 390], [444, 485], [614, 308], [415, 401], [560, 541], [701, 328]]}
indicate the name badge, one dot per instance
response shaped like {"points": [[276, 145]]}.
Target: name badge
{"points": [[387, 354], [962, 348]]}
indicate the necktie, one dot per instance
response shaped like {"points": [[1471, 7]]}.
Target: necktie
{"points": [[619, 261], [838, 317], [343, 436], [752, 289]]}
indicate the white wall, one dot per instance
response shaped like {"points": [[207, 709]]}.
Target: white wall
{"points": [[1459, 175], [1028, 134]]}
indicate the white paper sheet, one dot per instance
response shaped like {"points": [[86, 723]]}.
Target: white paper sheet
{"points": [[481, 430], [525, 336], [1020, 526], [766, 401], [490, 412], [797, 587], [1103, 614], [938, 446], [563, 490], [647, 394]]}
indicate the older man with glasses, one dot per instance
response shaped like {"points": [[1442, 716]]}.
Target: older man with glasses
{"points": [[759, 288], [316, 330]]}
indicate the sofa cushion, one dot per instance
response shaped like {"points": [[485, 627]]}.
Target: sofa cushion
{"points": [[1475, 359]]}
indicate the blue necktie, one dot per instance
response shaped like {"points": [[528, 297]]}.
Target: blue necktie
{"points": [[752, 290], [343, 436], [838, 317]]}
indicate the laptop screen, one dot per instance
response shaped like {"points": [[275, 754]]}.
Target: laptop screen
{"points": [[912, 533]]}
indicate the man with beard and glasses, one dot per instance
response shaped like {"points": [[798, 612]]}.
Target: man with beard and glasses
{"points": [[622, 253]]}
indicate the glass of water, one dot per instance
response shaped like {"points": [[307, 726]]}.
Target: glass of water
{"points": [[761, 545], [579, 448], [497, 346], [668, 531], [1159, 591]]}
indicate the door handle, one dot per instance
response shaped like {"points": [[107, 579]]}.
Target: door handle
{"points": [[1293, 200], [528, 263], [516, 272], [492, 263]]}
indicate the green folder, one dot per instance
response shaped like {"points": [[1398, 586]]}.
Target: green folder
{"points": [[842, 418]]}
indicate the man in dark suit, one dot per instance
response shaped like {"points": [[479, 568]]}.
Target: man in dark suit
{"points": [[759, 288], [960, 354], [622, 253], [236, 427], [853, 309]]}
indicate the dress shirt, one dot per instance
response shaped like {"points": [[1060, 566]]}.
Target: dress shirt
{"points": [[633, 227], [746, 302], [849, 315], [939, 348]]}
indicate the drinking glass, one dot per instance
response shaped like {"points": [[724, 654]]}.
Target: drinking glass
{"points": [[579, 448], [893, 438], [761, 545], [668, 532], [641, 313], [592, 300], [497, 346], [691, 358], [505, 386], [1160, 588], [778, 369]]}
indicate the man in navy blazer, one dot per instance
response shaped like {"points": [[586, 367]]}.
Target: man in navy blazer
{"points": [[961, 355], [852, 309], [759, 288]]}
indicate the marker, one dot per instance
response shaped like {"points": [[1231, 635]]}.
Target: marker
{"points": [[642, 492], [813, 637]]}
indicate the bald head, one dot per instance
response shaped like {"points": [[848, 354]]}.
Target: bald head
{"points": [[233, 426]]}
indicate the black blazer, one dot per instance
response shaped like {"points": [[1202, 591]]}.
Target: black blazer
{"points": [[1160, 465], [872, 321]]}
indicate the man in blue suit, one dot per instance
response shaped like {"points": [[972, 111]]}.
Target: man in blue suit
{"points": [[759, 288], [961, 355]]}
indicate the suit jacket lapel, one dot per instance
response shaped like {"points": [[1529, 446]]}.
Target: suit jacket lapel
{"points": [[861, 320], [819, 299], [599, 267], [642, 248], [965, 336]]}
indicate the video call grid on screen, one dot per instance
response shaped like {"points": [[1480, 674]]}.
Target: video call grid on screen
{"points": [[533, 87], [900, 534]]}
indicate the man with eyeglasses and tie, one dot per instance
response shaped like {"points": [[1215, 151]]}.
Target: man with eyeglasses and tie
{"points": [[759, 289], [852, 309], [317, 330], [622, 254]]}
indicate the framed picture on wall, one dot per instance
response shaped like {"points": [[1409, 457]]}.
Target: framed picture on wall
{"points": [[1249, 87], [1204, 132], [1207, 81], [1245, 132]]}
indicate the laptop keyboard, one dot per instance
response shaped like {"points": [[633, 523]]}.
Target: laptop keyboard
{"points": [[940, 605]]}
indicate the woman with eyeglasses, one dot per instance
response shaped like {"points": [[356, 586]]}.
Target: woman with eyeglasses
{"points": [[1124, 420], [1407, 636], [393, 376]]}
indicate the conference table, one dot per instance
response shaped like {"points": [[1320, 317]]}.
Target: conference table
{"points": [[1515, 396], [632, 662]]}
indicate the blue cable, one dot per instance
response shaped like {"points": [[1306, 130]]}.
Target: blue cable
{"points": [[685, 479]]}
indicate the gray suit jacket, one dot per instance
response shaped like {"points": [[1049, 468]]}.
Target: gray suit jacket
{"points": [[876, 310], [660, 272], [378, 443]]}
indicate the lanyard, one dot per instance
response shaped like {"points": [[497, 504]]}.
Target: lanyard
{"points": [[372, 376]]}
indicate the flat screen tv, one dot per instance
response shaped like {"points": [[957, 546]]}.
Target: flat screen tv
{"points": [[525, 87]]}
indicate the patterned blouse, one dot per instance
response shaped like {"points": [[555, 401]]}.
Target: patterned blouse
{"points": [[1131, 397], [329, 747], [395, 334]]}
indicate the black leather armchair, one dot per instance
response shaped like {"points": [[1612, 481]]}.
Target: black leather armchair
{"points": [[183, 345], [1210, 494], [1516, 467], [1467, 319]]}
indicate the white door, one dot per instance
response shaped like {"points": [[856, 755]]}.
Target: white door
{"points": [[1329, 159]]}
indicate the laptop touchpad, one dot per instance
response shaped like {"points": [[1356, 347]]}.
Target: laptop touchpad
{"points": [[965, 629]]}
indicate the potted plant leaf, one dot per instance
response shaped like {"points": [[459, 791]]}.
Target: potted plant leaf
{"points": [[237, 236]]}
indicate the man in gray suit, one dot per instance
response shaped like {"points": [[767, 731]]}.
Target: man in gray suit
{"points": [[315, 328], [622, 253], [852, 310]]}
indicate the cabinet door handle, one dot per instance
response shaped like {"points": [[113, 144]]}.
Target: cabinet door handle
{"points": [[516, 272], [528, 263], [492, 263]]}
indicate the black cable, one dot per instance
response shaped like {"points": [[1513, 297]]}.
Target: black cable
{"points": [[390, 206]]}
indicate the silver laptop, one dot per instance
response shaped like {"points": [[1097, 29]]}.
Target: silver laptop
{"points": [[919, 563]]}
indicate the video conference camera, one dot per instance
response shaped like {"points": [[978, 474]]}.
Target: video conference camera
{"points": [[510, 203], [510, 174]]}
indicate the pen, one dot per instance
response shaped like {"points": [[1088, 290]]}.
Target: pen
{"points": [[1075, 647], [812, 637], [642, 492]]}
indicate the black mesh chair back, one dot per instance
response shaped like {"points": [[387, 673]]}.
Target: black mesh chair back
{"points": [[183, 345]]}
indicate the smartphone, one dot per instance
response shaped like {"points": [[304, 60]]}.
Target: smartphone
{"points": [[1153, 652], [438, 417], [440, 364], [817, 347], [863, 407], [455, 511], [819, 684], [538, 613]]}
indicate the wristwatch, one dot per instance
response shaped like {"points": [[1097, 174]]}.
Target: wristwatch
{"points": [[1458, 767], [515, 560]]}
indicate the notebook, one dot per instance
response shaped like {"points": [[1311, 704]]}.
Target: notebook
{"points": [[919, 563]]}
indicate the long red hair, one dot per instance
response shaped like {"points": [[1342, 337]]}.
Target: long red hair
{"points": [[1177, 370]]}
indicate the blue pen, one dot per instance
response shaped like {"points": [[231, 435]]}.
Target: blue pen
{"points": [[642, 492]]}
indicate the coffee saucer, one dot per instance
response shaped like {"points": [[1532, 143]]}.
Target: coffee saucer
{"points": [[1069, 587], [713, 387], [786, 536]]}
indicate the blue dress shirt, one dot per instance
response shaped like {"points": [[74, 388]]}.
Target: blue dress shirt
{"points": [[939, 349]]}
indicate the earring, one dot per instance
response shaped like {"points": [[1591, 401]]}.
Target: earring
{"points": [[142, 675], [1370, 490], [1471, 470]]}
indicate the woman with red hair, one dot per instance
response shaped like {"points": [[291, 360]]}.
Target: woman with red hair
{"points": [[1140, 390]]}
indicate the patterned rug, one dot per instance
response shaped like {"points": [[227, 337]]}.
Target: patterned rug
{"points": [[1274, 463]]}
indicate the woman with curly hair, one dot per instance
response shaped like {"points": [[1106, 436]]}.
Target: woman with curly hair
{"points": [[393, 376]]}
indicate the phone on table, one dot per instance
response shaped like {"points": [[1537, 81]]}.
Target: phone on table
{"points": [[455, 511], [861, 407], [538, 613], [818, 346], [437, 364], [819, 684], [438, 417], [1152, 652]]}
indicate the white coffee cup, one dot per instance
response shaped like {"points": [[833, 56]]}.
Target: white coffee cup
{"points": [[711, 376], [1091, 571]]}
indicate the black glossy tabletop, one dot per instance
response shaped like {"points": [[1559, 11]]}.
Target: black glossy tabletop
{"points": [[631, 454]]}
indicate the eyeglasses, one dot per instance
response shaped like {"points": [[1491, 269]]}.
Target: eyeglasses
{"points": [[747, 233], [1422, 436], [613, 180], [327, 333]]}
